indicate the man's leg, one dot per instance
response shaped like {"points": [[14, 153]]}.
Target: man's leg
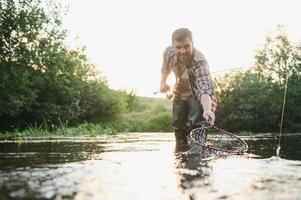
{"points": [[195, 113], [180, 114]]}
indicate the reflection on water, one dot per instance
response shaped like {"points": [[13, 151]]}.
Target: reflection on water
{"points": [[147, 166], [266, 145], [33, 154]]}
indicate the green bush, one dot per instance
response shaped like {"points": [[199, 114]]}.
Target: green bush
{"points": [[155, 117], [252, 100], [44, 81]]}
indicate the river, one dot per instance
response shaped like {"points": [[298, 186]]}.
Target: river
{"points": [[147, 166]]}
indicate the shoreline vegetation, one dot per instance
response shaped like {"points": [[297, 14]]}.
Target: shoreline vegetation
{"points": [[149, 115]]}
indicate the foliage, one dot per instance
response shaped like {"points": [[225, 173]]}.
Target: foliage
{"points": [[278, 57], [84, 129], [247, 103], [44, 81], [150, 115], [252, 100]]}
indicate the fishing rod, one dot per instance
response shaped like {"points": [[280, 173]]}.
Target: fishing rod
{"points": [[282, 116], [169, 93]]}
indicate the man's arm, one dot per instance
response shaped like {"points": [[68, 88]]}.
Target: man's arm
{"points": [[165, 71], [163, 86], [206, 102], [203, 88]]}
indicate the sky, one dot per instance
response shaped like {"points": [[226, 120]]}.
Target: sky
{"points": [[125, 39]]}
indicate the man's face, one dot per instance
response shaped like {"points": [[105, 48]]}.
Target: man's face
{"points": [[183, 49]]}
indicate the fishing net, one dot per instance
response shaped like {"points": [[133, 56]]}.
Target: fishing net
{"points": [[209, 137]]}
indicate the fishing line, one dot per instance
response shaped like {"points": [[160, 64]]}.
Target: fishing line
{"points": [[230, 69], [282, 115]]}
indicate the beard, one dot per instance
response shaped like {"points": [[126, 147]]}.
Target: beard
{"points": [[184, 58]]}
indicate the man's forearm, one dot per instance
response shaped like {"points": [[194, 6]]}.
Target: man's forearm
{"points": [[206, 102], [163, 78]]}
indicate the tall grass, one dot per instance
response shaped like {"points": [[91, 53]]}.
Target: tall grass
{"points": [[85, 129]]}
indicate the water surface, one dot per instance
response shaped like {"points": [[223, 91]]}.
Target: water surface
{"points": [[147, 166]]}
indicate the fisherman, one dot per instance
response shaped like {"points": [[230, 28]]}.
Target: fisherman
{"points": [[193, 97]]}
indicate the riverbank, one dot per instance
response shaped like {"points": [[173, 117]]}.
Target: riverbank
{"points": [[150, 115], [85, 129]]}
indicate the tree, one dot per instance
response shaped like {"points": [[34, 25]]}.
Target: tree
{"points": [[246, 103], [252, 100], [42, 80]]}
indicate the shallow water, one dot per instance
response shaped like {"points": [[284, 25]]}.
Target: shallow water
{"points": [[146, 166]]}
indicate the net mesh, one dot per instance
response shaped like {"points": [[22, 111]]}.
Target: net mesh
{"points": [[215, 139]]}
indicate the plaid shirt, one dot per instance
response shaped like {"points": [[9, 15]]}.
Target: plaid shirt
{"points": [[200, 81]]}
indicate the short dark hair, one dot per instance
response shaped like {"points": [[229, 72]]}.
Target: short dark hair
{"points": [[181, 34]]}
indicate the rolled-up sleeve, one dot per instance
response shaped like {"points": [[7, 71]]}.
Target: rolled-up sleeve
{"points": [[201, 80], [204, 80]]}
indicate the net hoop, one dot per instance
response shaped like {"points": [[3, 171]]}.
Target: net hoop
{"points": [[240, 151]]}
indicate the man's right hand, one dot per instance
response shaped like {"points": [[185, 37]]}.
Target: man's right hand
{"points": [[209, 116], [164, 87]]}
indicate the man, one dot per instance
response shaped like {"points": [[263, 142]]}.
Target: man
{"points": [[194, 89]]}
